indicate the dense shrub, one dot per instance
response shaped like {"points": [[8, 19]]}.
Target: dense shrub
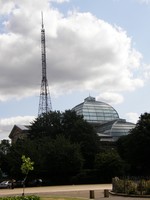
{"points": [[126, 186], [147, 187], [130, 187], [20, 198], [118, 185]]}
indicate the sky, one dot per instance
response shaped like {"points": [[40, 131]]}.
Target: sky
{"points": [[99, 48]]}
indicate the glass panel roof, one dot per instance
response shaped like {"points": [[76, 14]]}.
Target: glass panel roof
{"points": [[95, 111]]}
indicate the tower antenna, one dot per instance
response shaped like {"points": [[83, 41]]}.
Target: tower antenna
{"points": [[45, 101], [42, 19]]}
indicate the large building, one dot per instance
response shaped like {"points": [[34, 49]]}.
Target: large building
{"points": [[19, 132], [104, 118]]}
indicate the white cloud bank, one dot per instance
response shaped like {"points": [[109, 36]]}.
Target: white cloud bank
{"points": [[144, 1], [59, 1], [6, 124], [132, 117], [111, 98], [83, 52]]}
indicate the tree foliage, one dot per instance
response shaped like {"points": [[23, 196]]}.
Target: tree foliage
{"points": [[27, 165], [47, 124], [59, 144], [65, 148], [72, 127], [135, 147], [109, 164], [4, 150]]}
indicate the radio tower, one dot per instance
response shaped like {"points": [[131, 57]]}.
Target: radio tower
{"points": [[45, 100]]}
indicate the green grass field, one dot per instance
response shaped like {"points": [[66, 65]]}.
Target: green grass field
{"points": [[61, 198]]}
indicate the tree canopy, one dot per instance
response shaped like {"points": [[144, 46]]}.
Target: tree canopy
{"points": [[27, 165], [60, 144], [73, 127], [135, 147], [66, 149]]}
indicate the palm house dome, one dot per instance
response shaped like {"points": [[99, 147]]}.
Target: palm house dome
{"points": [[113, 130], [104, 118], [96, 111]]}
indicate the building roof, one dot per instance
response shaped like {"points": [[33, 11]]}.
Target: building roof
{"points": [[18, 132], [104, 119], [96, 111], [114, 129]]}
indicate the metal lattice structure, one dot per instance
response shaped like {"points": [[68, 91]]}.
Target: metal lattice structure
{"points": [[45, 101]]}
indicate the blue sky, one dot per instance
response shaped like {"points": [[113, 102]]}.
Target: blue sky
{"points": [[99, 48]]}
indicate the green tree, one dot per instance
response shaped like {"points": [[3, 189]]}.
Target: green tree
{"points": [[12, 160], [109, 164], [27, 165], [55, 159], [4, 150], [46, 125], [51, 157], [59, 143], [64, 160], [135, 147], [81, 132], [72, 127]]}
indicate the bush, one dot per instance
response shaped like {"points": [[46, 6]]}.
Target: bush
{"points": [[141, 186], [130, 187], [126, 186], [118, 185], [147, 187], [20, 198]]}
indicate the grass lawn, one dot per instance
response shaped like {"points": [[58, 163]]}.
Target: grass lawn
{"points": [[61, 198]]}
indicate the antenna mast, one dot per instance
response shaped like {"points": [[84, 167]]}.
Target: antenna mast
{"points": [[45, 101]]}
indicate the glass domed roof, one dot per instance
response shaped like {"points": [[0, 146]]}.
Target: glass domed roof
{"points": [[112, 130], [96, 111]]}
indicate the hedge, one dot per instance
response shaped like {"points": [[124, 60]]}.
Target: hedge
{"points": [[128, 186], [20, 198]]}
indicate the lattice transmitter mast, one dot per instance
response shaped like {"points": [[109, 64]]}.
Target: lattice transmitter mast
{"points": [[45, 101]]}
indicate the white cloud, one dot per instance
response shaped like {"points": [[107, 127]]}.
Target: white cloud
{"points": [[7, 124], [96, 52], [146, 72], [132, 117], [111, 98], [144, 1], [83, 52], [59, 1], [6, 7], [17, 120]]}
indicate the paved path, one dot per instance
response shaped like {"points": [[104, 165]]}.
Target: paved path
{"points": [[55, 189], [67, 191]]}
